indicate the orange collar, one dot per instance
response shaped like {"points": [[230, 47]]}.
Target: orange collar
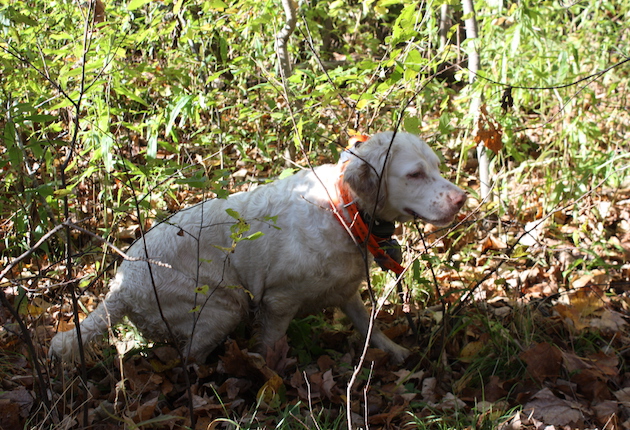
{"points": [[357, 226]]}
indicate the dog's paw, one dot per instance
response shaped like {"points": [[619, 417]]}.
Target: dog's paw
{"points": [[399, 354], [64, 346]]}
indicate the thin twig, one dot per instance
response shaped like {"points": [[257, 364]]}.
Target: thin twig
{"points": [[171, 333], [115, 248], [32, 249], [558, 86]]}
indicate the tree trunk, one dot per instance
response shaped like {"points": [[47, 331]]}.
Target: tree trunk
{"points": [[284, 62], [444, 25], [473, 66]]}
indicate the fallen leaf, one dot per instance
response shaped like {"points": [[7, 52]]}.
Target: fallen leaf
{"points": [[233, 387], [607, 413], [494, 390], [489, 131], [142, 379], [596, 276], [146, 410], [573, 363], [10, 415], [21, 397], [405, 376], [428, 392], [386, 418], [450, 401], [492, 243], [623, 396], [272, 393], [244, 364], [167, 358], [471, 350], [608, 321], [329, 386], [552, 410], [571, 316], [605, 363], [325, 363], [277, 358], [592, 384], [395, 331], [544, 361]]}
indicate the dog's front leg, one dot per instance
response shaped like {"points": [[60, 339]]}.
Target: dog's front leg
{"points": [[360, 317]]}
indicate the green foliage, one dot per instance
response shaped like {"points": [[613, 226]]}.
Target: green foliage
{"points": [[154, 81]]}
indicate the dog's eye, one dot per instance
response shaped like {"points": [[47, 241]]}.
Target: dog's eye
{"points": [[417, 175]]}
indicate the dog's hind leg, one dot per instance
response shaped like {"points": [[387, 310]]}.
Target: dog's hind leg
{"points": [[65, 345], [272, 321], [219, 317]]}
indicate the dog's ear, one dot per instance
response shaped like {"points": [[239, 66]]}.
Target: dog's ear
{"points": [[365, 171], [363, 180]]}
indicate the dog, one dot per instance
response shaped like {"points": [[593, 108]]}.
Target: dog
{"points": [[283, 249]]}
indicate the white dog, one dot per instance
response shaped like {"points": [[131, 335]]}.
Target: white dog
{"points": [[303, 260]]}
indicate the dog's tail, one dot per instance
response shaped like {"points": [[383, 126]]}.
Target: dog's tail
{"points": [[65, 345]]}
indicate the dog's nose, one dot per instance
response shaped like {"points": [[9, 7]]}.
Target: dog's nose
{"points": [[457, 198]]}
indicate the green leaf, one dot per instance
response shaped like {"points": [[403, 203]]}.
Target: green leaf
{"points": [[225, 248], [469, 15], [40, 118], [231, 212], [135, 4], [414, 60], [152, 144], [217, 5], [45, 190], [85, 282], [178, 7], [15, 156], [362, 103], [386, 3], [203, 289], [196, 181], [410, 74], [254, 236], [516, 39], [273, 219], [9, 134], [62, 104], [183, 101], [21, 301], [64, 192], [412, 125], [286, 173], [21, 18], [125, 92]]}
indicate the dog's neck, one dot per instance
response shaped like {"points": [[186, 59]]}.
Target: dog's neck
{"points": [[380, 228], [375, 234]]}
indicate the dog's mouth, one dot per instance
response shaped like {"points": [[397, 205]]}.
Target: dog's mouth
{"points": [[437, 222]]}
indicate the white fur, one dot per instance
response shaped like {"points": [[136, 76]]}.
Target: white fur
{"points": [[304, 262]]}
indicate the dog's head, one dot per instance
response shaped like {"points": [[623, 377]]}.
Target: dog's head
{"points": [[407, 171]]}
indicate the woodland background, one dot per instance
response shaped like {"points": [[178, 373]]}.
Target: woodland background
{"points": [[117, 113]]}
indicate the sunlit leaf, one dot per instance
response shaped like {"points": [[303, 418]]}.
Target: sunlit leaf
{"points": [[136, 4]]}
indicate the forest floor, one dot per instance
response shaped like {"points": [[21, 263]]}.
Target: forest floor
{"points": [[515, 334]]}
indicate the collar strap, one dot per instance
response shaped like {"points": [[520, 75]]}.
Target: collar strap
{"points": [[360, 229], [356, 140]]}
